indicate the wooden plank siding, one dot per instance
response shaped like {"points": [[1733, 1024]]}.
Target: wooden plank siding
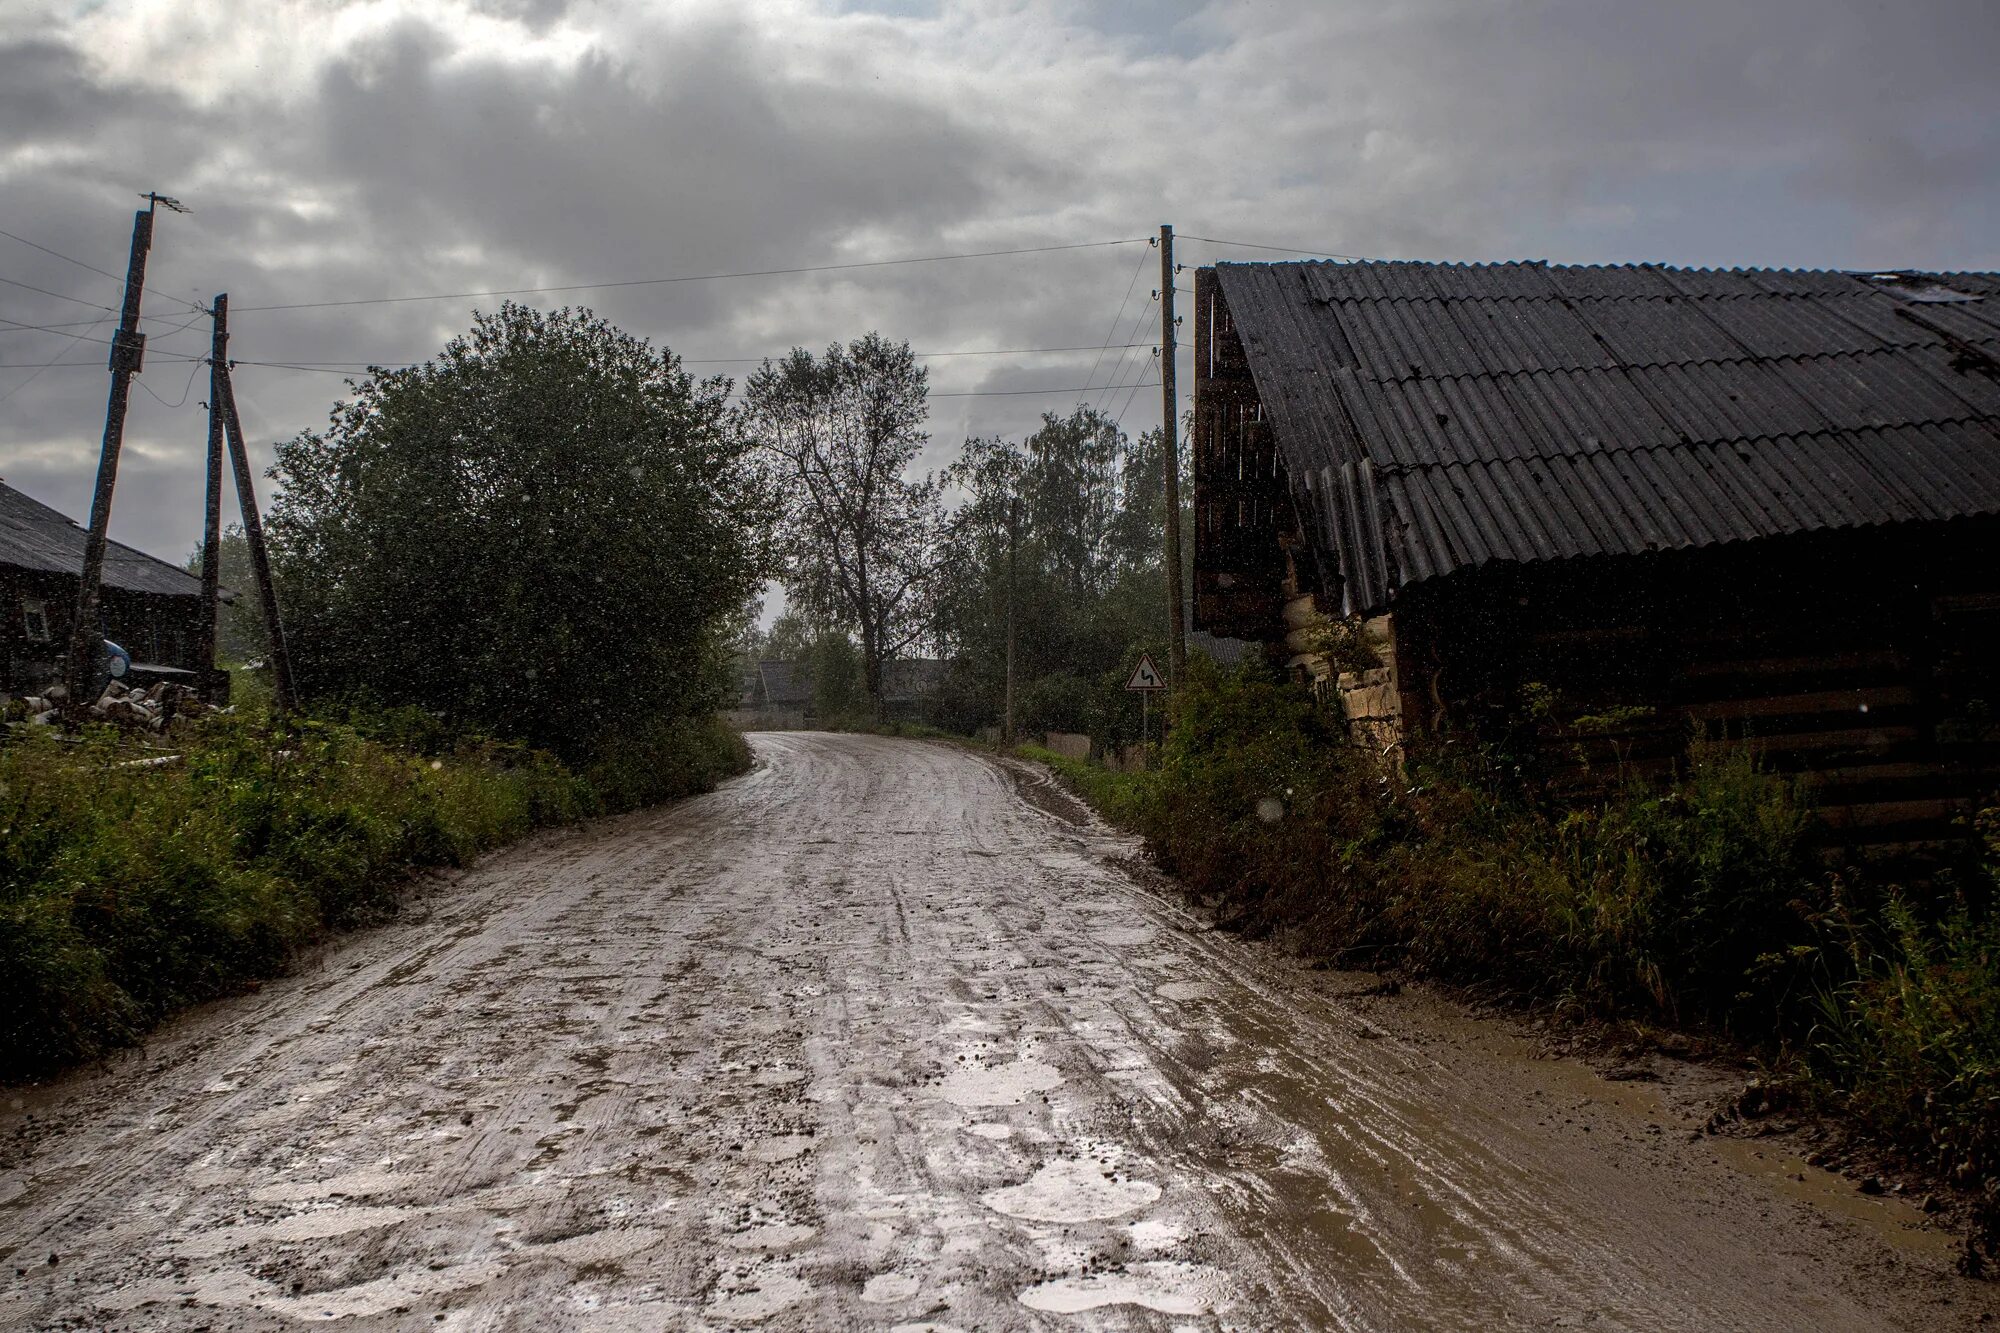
{"points": [[1245, 528], [1867, 661]]}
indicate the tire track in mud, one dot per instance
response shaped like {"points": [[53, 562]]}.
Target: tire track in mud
{"points": [[865, 1040]]}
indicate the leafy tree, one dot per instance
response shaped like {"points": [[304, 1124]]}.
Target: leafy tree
{"points": [[239, 623], [545, 532], [1087, 512], [860, 537]]}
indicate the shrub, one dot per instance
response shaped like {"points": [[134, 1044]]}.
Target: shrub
{"points": [[130, 889]]}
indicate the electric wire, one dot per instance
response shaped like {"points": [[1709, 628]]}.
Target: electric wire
{"points": [[1111, 333], [1280, 249], [72, 341], [694, 277], [1115, 380], [14, 326], [43, 291], [186, 389], [115, 277]]}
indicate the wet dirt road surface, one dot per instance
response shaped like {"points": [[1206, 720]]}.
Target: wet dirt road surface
{"points": [[868, 1039]]}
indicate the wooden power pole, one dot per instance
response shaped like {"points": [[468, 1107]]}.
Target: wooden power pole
{"points": [[211, 528], [282, 696], [1169, 435], [128, 350], [1013, 542]]}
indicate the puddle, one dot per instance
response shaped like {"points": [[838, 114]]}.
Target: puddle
{"points": [[1162, 1285], [1071, 1190], [1153, 1234], [776, 1078], [598, 1247], [1000, 1085], [380, 1296], [776, 1236], [129, 1296], [354, 1185], [306, 1226], [778, 1291], [783, 1148], [889, 1288]]}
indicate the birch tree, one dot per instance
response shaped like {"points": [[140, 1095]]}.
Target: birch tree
{"points": [[860, 536]]}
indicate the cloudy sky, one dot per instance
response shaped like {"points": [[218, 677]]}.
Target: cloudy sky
{"points": [[341, 152]]}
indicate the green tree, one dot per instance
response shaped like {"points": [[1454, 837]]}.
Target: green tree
{"points": [[239, 620], [860, 537], [1087, 509], [548, 532]]}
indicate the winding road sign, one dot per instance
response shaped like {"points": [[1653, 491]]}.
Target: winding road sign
{"points": [[1146, 676]]}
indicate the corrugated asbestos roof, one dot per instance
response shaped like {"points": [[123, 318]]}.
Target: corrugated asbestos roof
{"points": [[1437, 417], [34, 536]]}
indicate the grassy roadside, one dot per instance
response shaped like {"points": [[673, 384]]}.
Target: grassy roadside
{"points": [[131, 889], [1700, 905]]}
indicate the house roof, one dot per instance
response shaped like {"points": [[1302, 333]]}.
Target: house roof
{"points": [[1438, 417], [785, 683], [34, 536]]}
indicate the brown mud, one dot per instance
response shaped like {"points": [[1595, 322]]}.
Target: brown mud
{"points": [[867, 1040]]}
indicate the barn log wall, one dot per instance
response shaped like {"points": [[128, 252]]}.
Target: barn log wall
{"points": [[1245, 529], [1868, 662]]}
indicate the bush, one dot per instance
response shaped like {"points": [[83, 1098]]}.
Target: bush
{"points": [[129, 889], [1701, 901]]}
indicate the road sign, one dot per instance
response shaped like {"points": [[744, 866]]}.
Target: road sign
{"points": [[1146, 676]]}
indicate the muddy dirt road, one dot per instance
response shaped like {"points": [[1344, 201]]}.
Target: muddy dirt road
{"points": [[868, 1040]]}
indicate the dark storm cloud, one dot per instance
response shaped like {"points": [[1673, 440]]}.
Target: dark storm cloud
{"points": [[336, 152]]}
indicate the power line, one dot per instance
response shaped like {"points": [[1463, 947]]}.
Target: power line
{"points": [[699, 277], [15, 326], [186, 389], [1112, 332], [1011, 393], [51, 361], [973, 393], [1281, 249], [115, 277], [67, 259], [78, 323], [1112, 385], [686, 361], [43, 291]]}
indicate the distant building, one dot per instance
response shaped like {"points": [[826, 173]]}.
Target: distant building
{"points": [[776, 695], [151, 609], [1592, 512]]}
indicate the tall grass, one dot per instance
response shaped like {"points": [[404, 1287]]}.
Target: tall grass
{"points": [[1700, 902], [130, 889]]}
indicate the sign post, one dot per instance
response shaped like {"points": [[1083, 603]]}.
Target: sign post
{"points": [[1145, 680]]}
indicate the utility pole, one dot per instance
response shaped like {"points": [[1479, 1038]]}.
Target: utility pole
{"points": [[211, 530], [128, 351], [1169, 431], [1013, 541], [253, 534]]}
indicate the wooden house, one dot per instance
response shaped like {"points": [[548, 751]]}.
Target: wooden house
{"points": [[1590, 513], [151, 609]]}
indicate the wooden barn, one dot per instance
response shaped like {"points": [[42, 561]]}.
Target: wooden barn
{"points": [[151, 609], [1594, 512]]}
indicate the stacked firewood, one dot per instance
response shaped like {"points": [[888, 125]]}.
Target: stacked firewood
{"points": [[153, 708]]}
